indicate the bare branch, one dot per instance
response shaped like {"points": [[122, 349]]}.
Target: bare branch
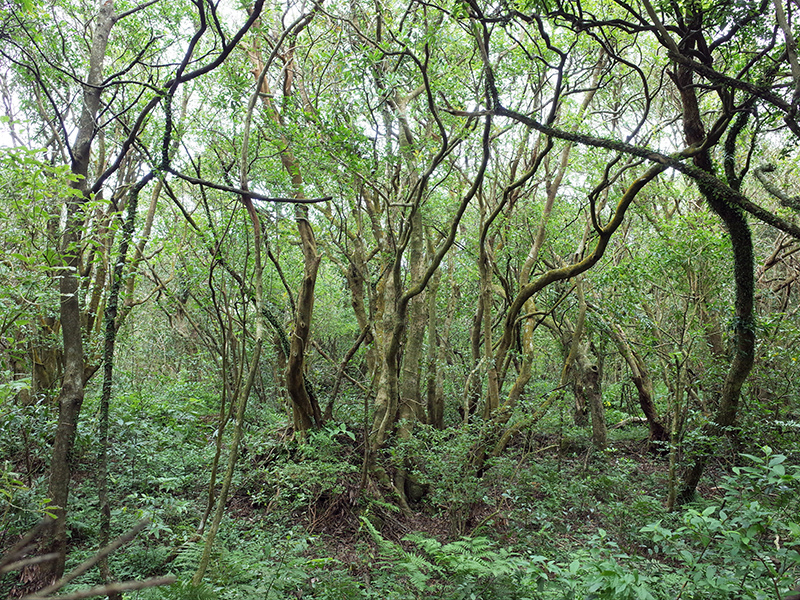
{"points": [[89, 563], [34, 560], [135, 9], [239, 191], [106, 590], [788, 201]]}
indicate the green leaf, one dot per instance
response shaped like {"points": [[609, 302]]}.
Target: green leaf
{"points": [[776, 460]]}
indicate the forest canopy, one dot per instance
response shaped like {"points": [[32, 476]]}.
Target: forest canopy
{"points": [[391, 299]]}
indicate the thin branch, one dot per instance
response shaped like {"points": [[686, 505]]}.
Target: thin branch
{"points": [[106, 590], [674, 161], [20, 547], [169, 87], [239, 191], [89, 563], [788, 201], [135, 9], [34, 560]]}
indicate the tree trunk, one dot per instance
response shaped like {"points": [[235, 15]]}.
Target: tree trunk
{"points": [[743, 270], [354, 274], [387, 390], [241, 404], [587, 386], [473, 386], [305, 406], [485, 269], [411, 408], [434, 402], [111, 325], [640, 375], [70, 398], [438, 344]]}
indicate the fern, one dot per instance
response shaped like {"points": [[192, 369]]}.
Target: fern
{"points": [[465, 568], [416, 568], [188, 556], [185, 590], [477, 568]]}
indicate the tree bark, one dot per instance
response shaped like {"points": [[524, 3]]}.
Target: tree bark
{"points": [[411, 408], [640, 375], [306, 409], [70, 398], [305, 406], [743, 269], [587, 387], [587, 374], [485, 272], [434, 402], [438, 344]]}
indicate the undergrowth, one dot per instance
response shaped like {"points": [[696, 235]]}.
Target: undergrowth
{"points": [[551, 519]]}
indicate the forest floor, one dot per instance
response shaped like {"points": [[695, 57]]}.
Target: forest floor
{"points": [[551, 518]]}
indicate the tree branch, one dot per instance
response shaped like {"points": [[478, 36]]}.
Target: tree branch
{"points": [[239, 191]]}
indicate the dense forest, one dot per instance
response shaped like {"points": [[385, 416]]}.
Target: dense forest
{"points": [[399, 299]]}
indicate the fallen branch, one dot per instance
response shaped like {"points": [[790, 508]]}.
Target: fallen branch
{"points": [[105, 590], [630, 421]]}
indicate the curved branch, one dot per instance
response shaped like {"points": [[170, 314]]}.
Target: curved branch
{"points": [[528, 290], [674, 161], [171, 85], [254, 195], [786, 200]]}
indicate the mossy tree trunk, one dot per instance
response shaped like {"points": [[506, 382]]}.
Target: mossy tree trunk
{"points": [[305, 406], [640, 375], [742, 246]]}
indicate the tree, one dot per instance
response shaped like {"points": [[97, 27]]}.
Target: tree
{"points": [[493, 187], [700, 38], [30, 51]]}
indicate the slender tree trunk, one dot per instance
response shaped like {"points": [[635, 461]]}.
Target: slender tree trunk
{"points": [[305, 406], [340, 373], [640, 375], [567, 369], [225, 410], [438, 344], [241, 403], [553, 184], [433, 401], [70, 398], [110, 317], [473, 385], [492, 382], [230, 385], [674, 438], [354, 274], [243, 390]]}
